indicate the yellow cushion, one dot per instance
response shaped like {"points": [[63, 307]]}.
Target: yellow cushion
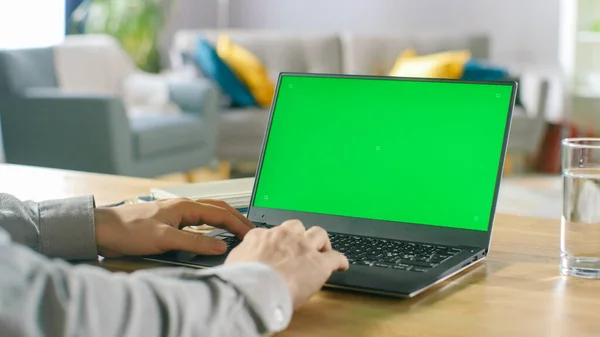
{"points": [[248, 68], [448, 64]]}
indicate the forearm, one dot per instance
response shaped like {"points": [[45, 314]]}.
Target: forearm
{"points": [[262, 288], [39, 296], [43, 297]]}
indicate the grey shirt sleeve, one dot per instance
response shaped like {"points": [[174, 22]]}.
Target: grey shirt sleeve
{"points": [[41, 296], [56, 228]]}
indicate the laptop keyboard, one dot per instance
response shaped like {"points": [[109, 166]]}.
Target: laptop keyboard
{"points": [[384, 253], [380, 253]]}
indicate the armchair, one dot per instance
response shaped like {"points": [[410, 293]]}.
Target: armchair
{"points": [[43, 124]]}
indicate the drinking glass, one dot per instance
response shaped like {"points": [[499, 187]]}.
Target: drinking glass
{"points": [[580, 223]]}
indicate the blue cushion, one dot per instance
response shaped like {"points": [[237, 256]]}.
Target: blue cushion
{"points": [[475, 70], [213, 67]]}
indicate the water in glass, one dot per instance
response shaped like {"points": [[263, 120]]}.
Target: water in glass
{"points": [[580, 225]]}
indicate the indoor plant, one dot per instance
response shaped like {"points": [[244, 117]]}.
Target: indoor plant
{"points": [[137, 24]]}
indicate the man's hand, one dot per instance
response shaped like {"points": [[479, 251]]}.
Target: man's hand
{"points": [[303, 257], [154, 228]]}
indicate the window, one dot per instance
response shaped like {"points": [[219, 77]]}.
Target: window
{"points": [[31, 23]]}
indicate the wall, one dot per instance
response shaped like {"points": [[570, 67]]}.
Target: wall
{"points": [[523, 31], [188, 14], [22, 27]]}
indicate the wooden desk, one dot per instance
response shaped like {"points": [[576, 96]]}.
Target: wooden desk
{"points": [[517, 291], [35, 183]]}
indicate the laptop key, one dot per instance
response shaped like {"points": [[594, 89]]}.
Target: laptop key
{"points": [[383, 265], [438, 258], [419, 269], [414, 263], [401, 266], [365, 262]]}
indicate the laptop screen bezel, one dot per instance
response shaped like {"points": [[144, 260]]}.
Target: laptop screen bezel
{"points": [[379, 228]]}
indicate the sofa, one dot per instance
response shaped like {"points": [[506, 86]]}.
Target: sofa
{"points": [[241, 130], [90, 126]]}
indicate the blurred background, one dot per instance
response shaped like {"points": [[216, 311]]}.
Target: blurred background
{"points": [[180, 89]]}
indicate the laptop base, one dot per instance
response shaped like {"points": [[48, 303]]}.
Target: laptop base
{"points": [[362, 278]]}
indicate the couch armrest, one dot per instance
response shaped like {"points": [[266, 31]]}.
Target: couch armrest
{"points": [[78, 131]]}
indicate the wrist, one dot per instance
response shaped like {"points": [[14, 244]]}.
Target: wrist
{"points": [[105, 219]]}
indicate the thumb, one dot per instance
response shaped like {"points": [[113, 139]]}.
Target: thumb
{"points": [[194, 243]]}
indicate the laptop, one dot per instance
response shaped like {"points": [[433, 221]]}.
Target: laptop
{"points": [[402, 172]]}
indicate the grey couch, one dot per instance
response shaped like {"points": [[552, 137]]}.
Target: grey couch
{"points": [[242, 130], [44, 126]]}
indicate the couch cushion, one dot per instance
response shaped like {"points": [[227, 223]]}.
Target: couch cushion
{"points": [[92, 63], [218, 71], [476, 70], [375, 54], [158, 134], [278, 51], [249, 69], [448, 64]]}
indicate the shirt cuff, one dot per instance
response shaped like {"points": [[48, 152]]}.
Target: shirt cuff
{"points": [[67, 228], [265, 291]]}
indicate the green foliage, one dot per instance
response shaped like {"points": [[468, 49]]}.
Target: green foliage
{"points": [[137, 24]]}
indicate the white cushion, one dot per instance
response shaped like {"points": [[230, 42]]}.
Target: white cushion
{"points": [[98, 64], [147, 94], [92, 63]]}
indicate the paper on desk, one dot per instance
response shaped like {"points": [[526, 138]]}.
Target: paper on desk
{"points": [[236, 192]]}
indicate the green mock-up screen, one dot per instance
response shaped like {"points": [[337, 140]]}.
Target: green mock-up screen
{"points": [[398, 150]]}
